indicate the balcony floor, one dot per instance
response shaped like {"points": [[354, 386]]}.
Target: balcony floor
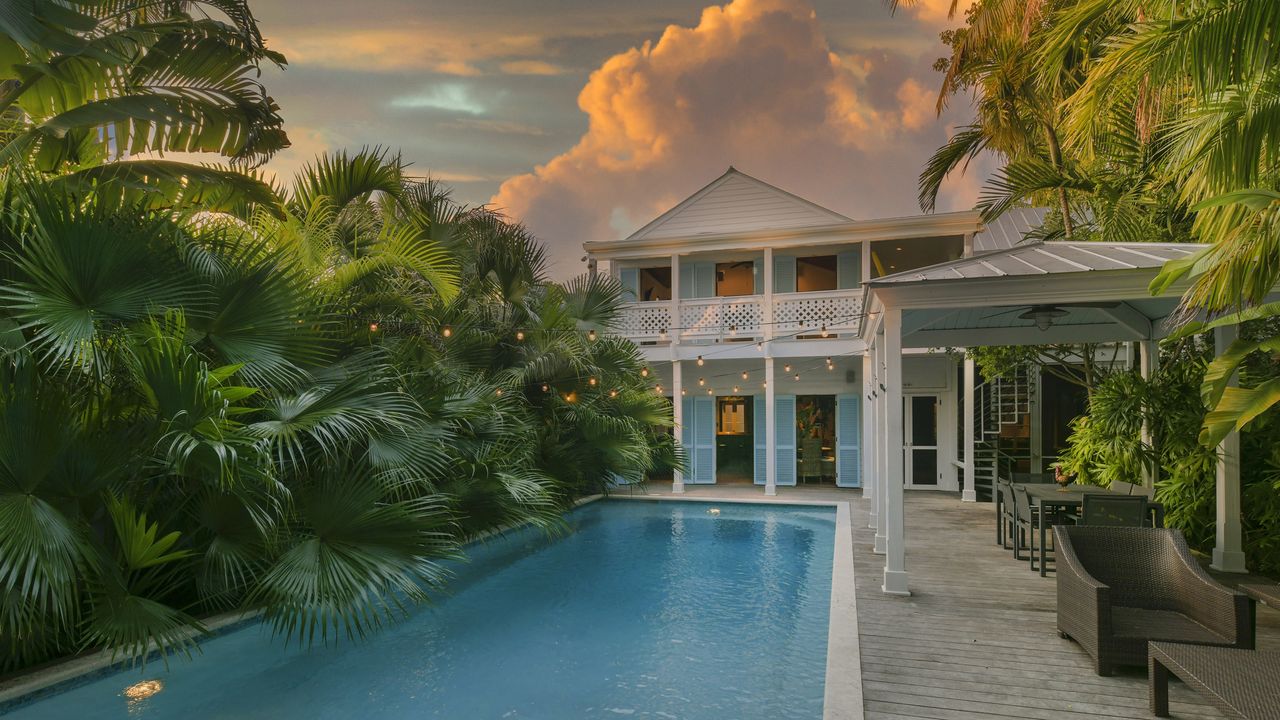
{"points": [[977, 638]]}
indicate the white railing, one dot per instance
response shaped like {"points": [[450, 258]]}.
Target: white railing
{"points": [[839, 310], [742, 317]]}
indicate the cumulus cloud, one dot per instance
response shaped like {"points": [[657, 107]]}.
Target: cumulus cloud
{"points": [[755, 84]]}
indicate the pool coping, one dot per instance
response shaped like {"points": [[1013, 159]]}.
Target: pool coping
{"points": [[842, 694]]}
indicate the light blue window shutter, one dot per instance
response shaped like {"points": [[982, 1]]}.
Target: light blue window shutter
{"points": [[849, 270], [630, 279], [757, 274], [785, 415], [704, 280], [848, 441], [761, 458], [686, 281], [704, 440], [686, 435], [784, 274]]}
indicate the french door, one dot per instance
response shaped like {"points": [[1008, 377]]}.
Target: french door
{"points": [[920, 440]]}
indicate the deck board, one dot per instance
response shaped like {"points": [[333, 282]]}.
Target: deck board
{"points": [[978, 638]]}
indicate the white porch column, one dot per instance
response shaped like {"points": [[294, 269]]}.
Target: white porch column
{"points": [[868, 436], [674, 320], [1227, 553], [970, 492], [1148, 363], [882, 454], [677, 409], [895, 557], [767, 311], [770, 429]]}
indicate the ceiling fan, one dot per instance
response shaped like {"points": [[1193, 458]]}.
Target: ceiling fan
{"points": [[1044, 315]]}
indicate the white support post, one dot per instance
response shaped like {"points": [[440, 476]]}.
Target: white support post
{"points": [[1148, 364], [674, 320], [882, 454], [895, 557], [1228, 555], [771, 430], [970, 492], [868, 436], [767, 268]]}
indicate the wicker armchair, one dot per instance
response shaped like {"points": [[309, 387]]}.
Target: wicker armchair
{"points": [[1119, 587]]}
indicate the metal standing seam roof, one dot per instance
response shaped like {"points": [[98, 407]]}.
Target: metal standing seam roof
{"points": [[1009, 230], [1049, 258]]}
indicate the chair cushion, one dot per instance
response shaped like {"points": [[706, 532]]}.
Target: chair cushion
{"points": [[1141, 623]]}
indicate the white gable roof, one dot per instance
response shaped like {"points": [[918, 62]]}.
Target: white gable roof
{"points": [[737, 202]]}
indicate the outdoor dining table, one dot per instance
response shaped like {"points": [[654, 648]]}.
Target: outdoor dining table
{"points": [[1050, 496]]}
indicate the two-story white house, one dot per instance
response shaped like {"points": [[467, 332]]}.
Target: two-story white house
{"points": [[748, 302], [798, 345]]}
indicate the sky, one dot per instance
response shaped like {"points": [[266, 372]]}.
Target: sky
{"points": [[585, 119]]}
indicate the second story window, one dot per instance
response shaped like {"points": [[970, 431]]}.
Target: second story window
{"points": [[736, 278], [814, 274], [655, 284]]}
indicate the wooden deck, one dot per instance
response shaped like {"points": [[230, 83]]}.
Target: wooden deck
{"points": [[977, 638]]}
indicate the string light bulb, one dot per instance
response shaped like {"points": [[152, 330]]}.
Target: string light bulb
{"points": [[683, 391], [702, 381], [591, 382], [662, 334], [709, 391], [373, 327], [760, 345], [797, 376], [764, 385], [498, 392], [733, 329], [519, 336], [786, 368], [644, 372], [824, 331], [658, 389], [736, 390], [828, 361], [700, 361], [546, 387], [591, 334], [613, 393], [744, 374]]}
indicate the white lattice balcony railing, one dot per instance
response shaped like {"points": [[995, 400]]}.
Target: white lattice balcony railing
{"points": [[839, 310], [741, 317]]}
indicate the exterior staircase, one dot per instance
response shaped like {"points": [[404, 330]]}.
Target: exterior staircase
{"points": [[1002, 442]]}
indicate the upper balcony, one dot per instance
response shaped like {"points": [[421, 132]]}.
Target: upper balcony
{"points": [[743, 317]]}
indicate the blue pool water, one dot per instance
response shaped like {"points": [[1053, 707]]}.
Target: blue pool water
{"points": [[646, 610]]}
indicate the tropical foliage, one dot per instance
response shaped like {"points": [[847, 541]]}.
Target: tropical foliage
{"points": [[1137, 121], [215, 395]]}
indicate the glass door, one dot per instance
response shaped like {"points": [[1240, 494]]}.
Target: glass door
{"points": [[920, 435]]}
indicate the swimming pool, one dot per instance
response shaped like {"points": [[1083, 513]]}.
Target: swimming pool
{"points": [[646, 610]]}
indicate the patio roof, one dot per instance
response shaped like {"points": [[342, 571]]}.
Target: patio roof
{"points": [[1083, 292]]}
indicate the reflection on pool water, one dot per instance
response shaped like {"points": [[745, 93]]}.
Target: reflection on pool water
{"points": [[647, 610]]}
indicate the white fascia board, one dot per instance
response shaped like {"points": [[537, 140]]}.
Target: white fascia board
{"points": [[1009, 290], [838, 234], [1030, 335]]}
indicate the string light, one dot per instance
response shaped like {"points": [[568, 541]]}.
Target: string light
{"points": [[736, 390], [760, 345], [373, 327], [498, 392], [702, 381], [662, 334], [828, 361], [591, 334], [709, 391], [684, 391], [592, 382], [644, 372], [520, 336], [797, 376], [659, 389], [733, 329], [824, 331], [744, 374], [700, 361], [546, 387], [613, 393], [786, 368], [764, 385]]}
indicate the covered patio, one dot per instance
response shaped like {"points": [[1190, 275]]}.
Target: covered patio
{"points": [[1033, 294]]}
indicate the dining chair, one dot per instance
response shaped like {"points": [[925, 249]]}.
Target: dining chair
{"points": [[1114, 510], [1027, 522]]}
